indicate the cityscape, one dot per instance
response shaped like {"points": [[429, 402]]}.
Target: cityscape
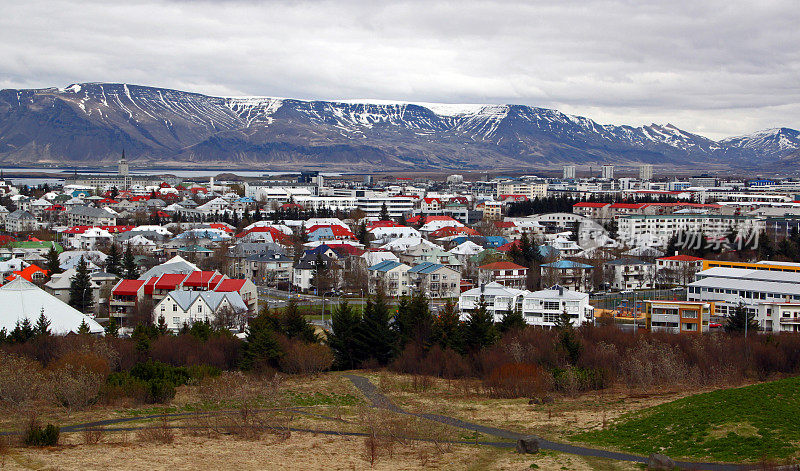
{"points": [[399, 235]]}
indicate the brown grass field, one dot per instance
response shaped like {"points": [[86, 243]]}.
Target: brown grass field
{"points": [[226, 442]]}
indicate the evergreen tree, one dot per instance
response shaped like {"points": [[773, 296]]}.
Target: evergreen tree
{"points": [[260, 347], [295, 326], [363, 234], [53, 266], [414, 321], [320, 277], [3, 336], [567, 339], [447, 331], [375, 337], [80, 288], [740, 318], [512, 320], [112, 329], [162, 327], [83, 329], [344, 324], [385, 213], [479, 329], [130, 270], [114, 261], [22, 332], [42, 325], [766, 248], [563, 321]]}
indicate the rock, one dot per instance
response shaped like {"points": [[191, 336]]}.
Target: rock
{"points": [[534, 401], [658, 461], [548, 400], [528, 445]]}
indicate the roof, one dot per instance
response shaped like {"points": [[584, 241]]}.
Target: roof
{"points": [[682, 258], [557, 292], [128, 287], [426, 267], [628, 205], [200, 278], [385, 266], [502, 266], [493, 289], [586, 204], [627, 261], [22, 299], [169, 281], [27, 273], [566, 264], [230, 285]]}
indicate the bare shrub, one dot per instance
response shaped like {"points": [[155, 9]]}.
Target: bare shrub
{"points": [[513, 380], [651, 364], [161, 433], [75, 387], [21, 380], [92, 436], [305, 358]]}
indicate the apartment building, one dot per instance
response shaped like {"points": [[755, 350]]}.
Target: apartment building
{"points": [[656, 230], [436, 280], [630, 273], [529, 189], [392, 276], [679, 317], [505, 273]]}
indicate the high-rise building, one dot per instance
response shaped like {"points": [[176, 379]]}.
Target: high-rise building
{"points": [[569, 172], [646, 172], [123, 166], [608, 172]]}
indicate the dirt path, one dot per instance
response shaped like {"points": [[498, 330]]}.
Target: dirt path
{"points": [[378, 399]]}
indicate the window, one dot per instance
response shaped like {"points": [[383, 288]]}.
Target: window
{"points": [[174, 308], [552, 305], [176, 320]]}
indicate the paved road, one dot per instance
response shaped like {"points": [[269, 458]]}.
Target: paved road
{"points": [[380, 400]]}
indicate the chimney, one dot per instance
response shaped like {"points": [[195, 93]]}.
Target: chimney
{"points": [[560, 290]]}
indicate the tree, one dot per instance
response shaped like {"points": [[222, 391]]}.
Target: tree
{"points": [[130, 270], [741, 319], [344, 324], [363, 234], [42, 325], [22, 332], [114, 261], [80, 288], [385, 213], [563, 321], [566, 337], [511, 320], [260, 348], [83, 329], [163, 329], [414, 321], [447, 328], [53, 265], [112, 329], [320, 278], [294, 325], [375, 337], [479, 329]]}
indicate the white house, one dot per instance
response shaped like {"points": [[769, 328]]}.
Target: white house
{"points": [[184, 307], [543, 308], [499, 300]]}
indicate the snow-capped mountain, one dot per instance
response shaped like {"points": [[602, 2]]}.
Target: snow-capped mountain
{"points": [[772, 142], [92, 122]]}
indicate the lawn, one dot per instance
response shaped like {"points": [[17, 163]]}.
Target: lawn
{"points": [[745, 424]]}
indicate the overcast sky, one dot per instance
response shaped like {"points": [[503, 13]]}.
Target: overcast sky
{"points": [[717, 68]]}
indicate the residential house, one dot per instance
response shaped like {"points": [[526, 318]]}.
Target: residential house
{"points": [[567, 273], [508, 274], [392, 276], [630, 273], [543, 308], [679, 317], [180, 308], [435, 280], [498, 299], [90, 216]]}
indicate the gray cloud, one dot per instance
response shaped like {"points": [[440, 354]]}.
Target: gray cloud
{"points": [[713, 67]]}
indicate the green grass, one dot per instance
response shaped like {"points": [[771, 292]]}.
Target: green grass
{"points": [[734, 425], [322, 399]]}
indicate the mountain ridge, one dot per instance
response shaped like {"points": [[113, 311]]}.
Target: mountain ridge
{"points": [[92, 122]]}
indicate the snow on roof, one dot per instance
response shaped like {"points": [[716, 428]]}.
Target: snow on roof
{"points": [[22, 299]]}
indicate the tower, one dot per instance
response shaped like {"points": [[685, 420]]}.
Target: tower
{"points": [[646, 172], [608, 172], [569, 172], [123, 165]]}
